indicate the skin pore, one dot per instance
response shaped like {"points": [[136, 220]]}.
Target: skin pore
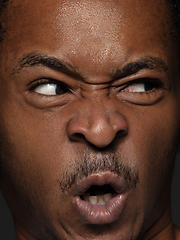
{"points": [[89, 95]]}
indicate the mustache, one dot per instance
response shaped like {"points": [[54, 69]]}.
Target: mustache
{"points": [[90, 163]]}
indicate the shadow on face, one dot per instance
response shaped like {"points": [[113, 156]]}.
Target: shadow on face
{"points": [[89, 111]]}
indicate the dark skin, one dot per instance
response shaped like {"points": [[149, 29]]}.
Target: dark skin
{"points": [[110, 114]]}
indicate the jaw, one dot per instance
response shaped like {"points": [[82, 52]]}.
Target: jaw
{"points": [[163, 229], [74, 222]]}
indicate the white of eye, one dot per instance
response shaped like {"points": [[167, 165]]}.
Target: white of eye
{"points": [[46, 89], [135, 88]]}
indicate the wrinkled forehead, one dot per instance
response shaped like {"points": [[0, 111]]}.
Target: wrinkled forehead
{"points": [[88, 29]]}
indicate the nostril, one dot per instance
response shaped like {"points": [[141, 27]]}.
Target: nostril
{"points": [[78, 137], [93, 140], [97, 130], [121, 133]]}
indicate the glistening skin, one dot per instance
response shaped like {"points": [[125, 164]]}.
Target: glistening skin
{"points": [[89, 118]]}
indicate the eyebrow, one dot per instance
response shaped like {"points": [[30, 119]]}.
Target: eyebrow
{"points": [[146, 62], [38, 59]]}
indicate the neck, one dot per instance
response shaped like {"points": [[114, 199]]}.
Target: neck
{"points": [[162, 229]]}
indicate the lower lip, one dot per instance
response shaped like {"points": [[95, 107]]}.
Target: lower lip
{"points": [[101, 214]]}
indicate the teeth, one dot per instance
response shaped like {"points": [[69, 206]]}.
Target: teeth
{"points": [[99, 199], [86, 196], [93, 199], [107, 197]]}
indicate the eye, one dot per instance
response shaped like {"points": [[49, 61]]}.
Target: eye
{"points": [[48, 87], [140, 87], [144, 91]]}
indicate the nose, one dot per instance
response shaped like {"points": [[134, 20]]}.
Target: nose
{"points": [[98, 124]]}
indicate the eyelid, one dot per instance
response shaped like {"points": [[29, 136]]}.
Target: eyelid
{"points": [[144, 75], [48, 87], [42, 81], [156, 82], [42, 101], [141, 98]]}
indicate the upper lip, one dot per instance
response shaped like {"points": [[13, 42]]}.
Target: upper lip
{"points": [[118, 183], [101, 214]]}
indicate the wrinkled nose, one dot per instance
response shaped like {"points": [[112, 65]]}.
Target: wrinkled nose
{"points": [[98, 125]]}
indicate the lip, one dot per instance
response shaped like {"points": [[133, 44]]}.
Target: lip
{"points": [[101, 214]]}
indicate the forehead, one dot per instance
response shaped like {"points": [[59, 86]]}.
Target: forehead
{"points": [[100, 30], [95, 17]]}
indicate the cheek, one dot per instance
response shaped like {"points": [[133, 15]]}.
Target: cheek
{"points": [[32, 158], [153, 145], [31, 153], [31, 147], [154, 133], [35, 148]]}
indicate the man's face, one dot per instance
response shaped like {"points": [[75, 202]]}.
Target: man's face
{"points": [[88, 117]]}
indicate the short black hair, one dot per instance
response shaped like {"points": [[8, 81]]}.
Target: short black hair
{"points": [[3, 4], [175, 9], [174, 4]]}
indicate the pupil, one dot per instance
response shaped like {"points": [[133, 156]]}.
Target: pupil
{"points": [[60, 89], [148, 86]]}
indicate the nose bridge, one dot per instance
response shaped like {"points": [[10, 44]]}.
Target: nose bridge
{"points": [[99, 117], [98, 120]]}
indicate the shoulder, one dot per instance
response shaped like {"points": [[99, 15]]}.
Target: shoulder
{"points": [[177, 233]]}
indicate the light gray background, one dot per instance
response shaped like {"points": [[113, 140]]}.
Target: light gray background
{"points": [[6, 223]]}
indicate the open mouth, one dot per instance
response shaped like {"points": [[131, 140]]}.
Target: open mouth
{"points": [[101, 198], [99, 195]]}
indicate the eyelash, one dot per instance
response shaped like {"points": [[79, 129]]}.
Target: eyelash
{"points": [[40, 82], [155, 83]]}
